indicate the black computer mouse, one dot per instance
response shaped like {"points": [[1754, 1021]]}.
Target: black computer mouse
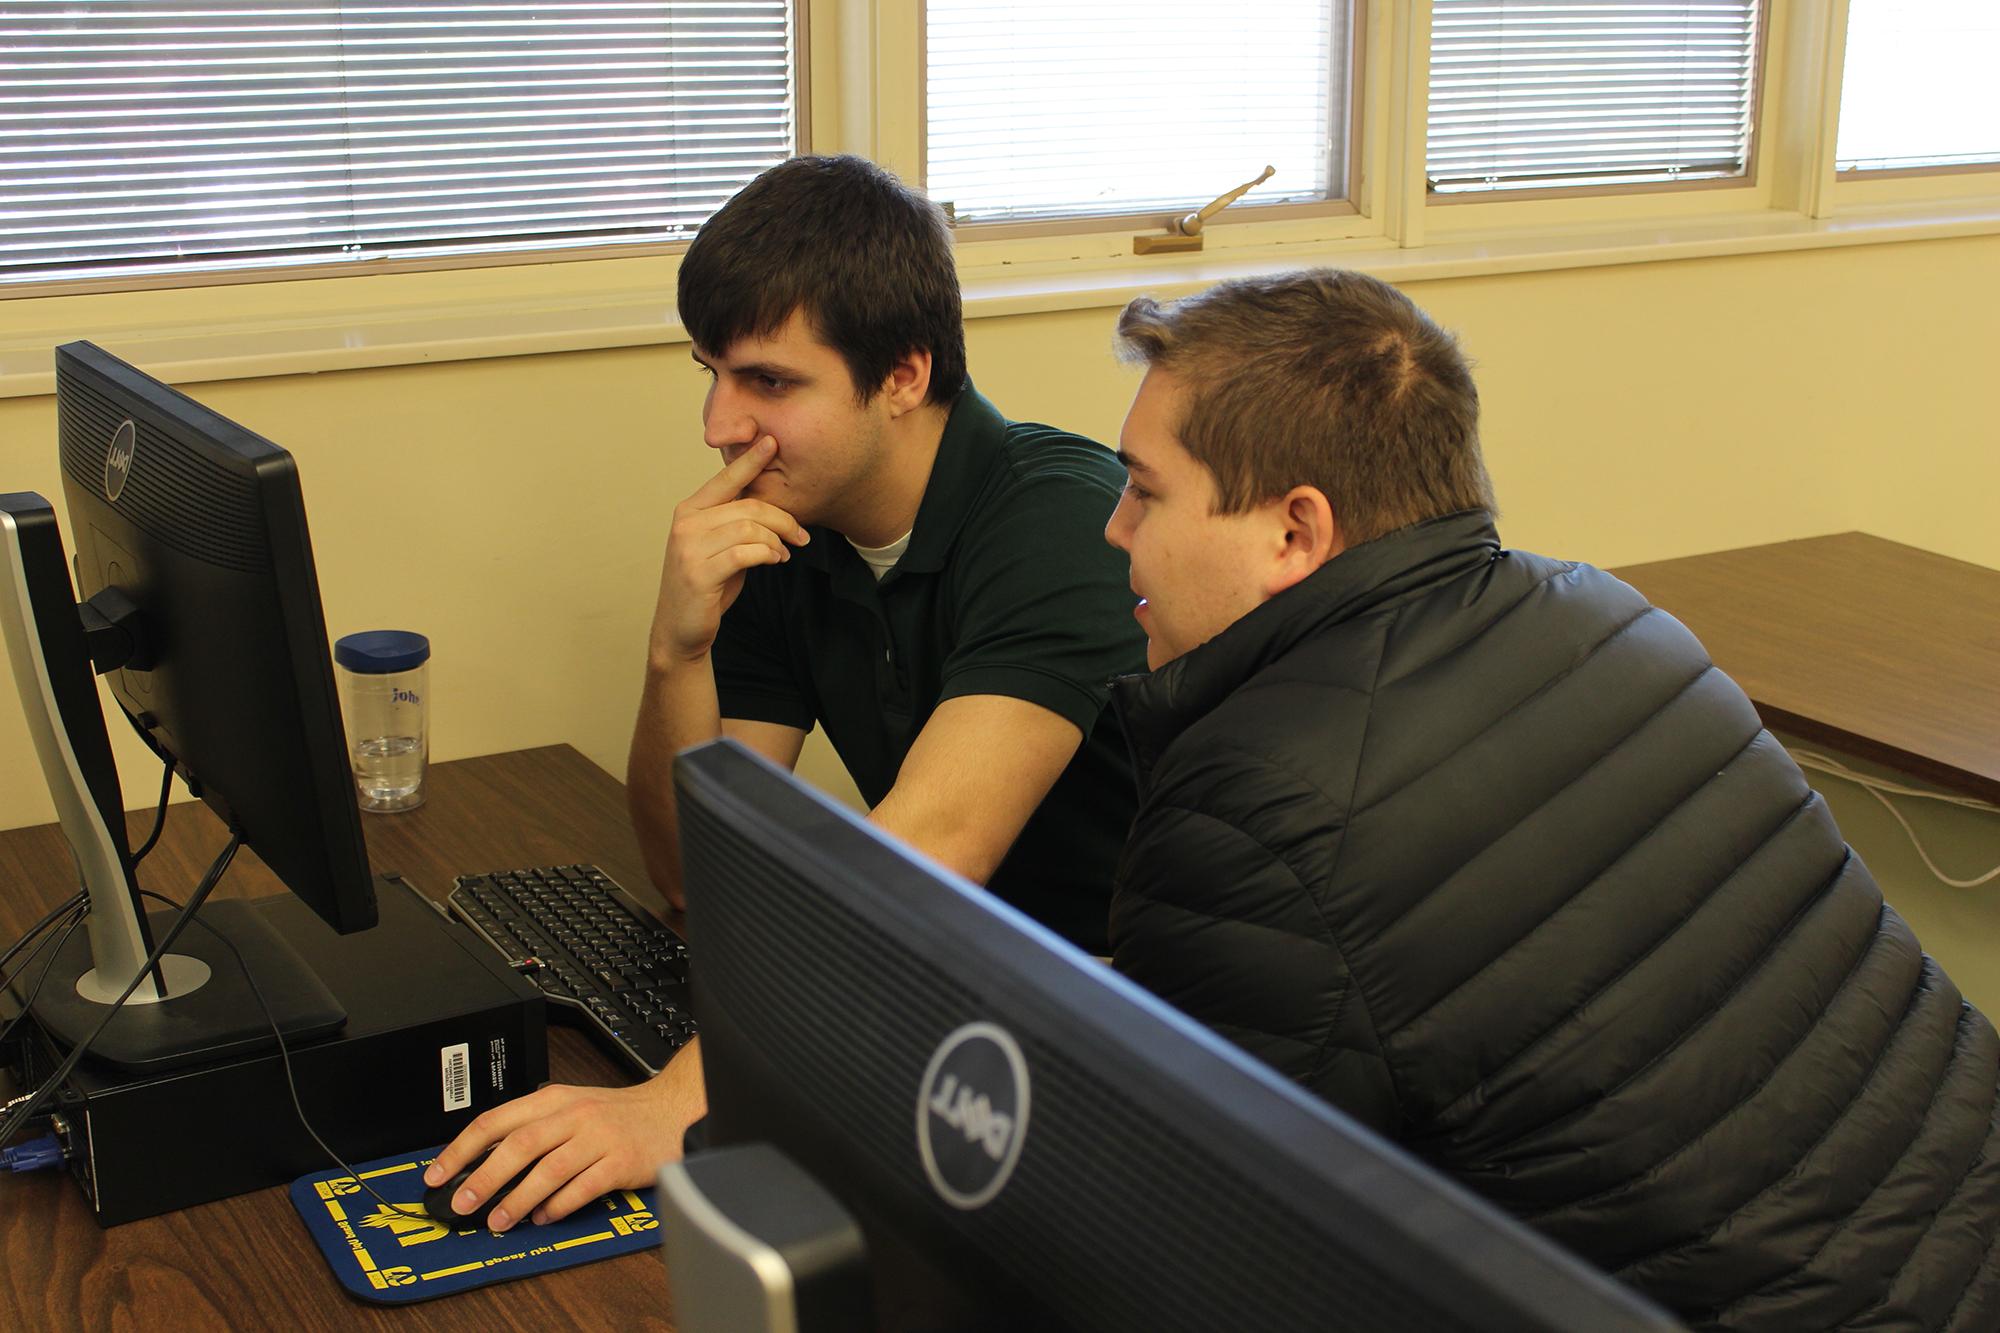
{"points": [[437, 1201]]}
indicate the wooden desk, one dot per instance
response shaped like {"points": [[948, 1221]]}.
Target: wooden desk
{"points": [[247, 1262], [1880, 649]]}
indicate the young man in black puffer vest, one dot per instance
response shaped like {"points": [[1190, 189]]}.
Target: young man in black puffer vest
{"points": [[1481, 848]]}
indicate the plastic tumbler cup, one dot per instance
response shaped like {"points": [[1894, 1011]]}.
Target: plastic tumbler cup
{"points": [[383, 689]]}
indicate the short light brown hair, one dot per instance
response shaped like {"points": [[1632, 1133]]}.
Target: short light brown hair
{"points": [[1325, 378]]}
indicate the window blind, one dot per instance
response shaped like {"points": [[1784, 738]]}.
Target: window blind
{"points": [[1065, 108], [151, 136], [1918, 86], [1528, 95]]}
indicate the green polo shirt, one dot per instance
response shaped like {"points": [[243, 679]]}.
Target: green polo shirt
{"points": [[1008, 587]]}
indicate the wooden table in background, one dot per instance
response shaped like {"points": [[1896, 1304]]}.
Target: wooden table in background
{"points": [[247, 1262], [1882, 650]]}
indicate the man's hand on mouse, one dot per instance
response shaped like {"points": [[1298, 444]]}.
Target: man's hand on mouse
{"points": [[718, 535], [586, 1142]]}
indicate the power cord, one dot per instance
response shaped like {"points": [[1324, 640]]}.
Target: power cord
{"points": [[1882, 789], [69, 928], [284, 1054], [81, 896], [74, 901], [31, 1156], [159, 816], [17, 1113], [19, 1119], [75, 908]]}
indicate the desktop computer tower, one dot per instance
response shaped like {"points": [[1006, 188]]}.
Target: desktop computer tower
{"points": [[438, 1029]]}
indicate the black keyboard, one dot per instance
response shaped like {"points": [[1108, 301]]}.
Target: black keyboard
{"points": [[604, 962]]}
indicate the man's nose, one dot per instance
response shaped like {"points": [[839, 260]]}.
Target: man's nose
{"points": [[724, 420], [1118, 531]]}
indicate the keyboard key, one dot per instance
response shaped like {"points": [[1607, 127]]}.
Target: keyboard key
{"points": [[606, 963]]}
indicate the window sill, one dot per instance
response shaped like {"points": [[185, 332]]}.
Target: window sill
{"points": [[1004, 289], [187, 335], [295, 328]]}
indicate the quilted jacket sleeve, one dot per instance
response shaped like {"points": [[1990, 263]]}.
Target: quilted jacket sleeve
{"points": [[1219, 926]]}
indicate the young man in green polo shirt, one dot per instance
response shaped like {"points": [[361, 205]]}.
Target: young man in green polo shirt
{"points": [[884, 555]]}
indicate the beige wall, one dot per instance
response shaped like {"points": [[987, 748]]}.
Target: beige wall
{"points": [[514, 509]]}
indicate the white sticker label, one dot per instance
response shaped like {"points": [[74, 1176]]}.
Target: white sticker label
{"points": [[456, 1062]]}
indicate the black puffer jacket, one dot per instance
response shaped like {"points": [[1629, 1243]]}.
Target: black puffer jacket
{"points": [[1481, 848]]}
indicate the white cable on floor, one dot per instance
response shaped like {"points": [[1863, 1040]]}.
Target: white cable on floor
{"points": [[1882, 789]]}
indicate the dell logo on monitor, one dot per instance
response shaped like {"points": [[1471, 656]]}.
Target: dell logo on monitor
{"points": [[972, 1114], [118, 461]]}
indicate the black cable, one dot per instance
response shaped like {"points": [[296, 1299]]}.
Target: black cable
{"points": [[285, 1055], [159, 825], [15, 1122], [159, 816], [69, 928], [74, 900], [28, 1109]]}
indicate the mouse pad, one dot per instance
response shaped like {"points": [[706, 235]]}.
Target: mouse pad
{"points": [[384, 1256]]}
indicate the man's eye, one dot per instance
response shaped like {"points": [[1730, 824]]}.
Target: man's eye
{"points": [[770, 383], [1137, 492]]}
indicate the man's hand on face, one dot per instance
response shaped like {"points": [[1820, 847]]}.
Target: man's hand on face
{"points": [[585, 1142], [717, 536]]}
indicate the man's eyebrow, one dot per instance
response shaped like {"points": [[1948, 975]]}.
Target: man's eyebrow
{"points": [[753, 368], [771, 368], [1133, 464]]}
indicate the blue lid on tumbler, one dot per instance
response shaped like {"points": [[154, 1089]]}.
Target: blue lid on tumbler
{"points": [[377, 652]]}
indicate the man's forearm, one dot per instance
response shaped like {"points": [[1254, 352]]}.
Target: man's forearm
{"points": [[677, 709]]}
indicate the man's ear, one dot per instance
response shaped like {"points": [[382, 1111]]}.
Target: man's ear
{"points": [[1310, 535], [909, 382]]}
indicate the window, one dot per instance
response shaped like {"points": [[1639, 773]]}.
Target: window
{"points": [[1066, 108], [139, 137], [1917, 90], [1567, 93]]}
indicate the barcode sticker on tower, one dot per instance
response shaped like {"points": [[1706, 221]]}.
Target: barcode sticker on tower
{"points": [[457, 1068]]}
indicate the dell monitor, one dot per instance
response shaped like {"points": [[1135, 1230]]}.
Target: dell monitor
{"points": [[1028, 1140], [199, 600]]}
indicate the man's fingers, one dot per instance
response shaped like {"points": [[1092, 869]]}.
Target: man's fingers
{"points": [[600, 1178], [764, 514], [454, 1155], [695, 523], [485, 1130], [729, 483], [551, 1173], [523, 1147], [733, 560], [724, 554], [743, 532]]}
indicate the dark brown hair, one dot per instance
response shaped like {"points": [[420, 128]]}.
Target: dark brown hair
{"points": [[865, 258], [1326, 378]]}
